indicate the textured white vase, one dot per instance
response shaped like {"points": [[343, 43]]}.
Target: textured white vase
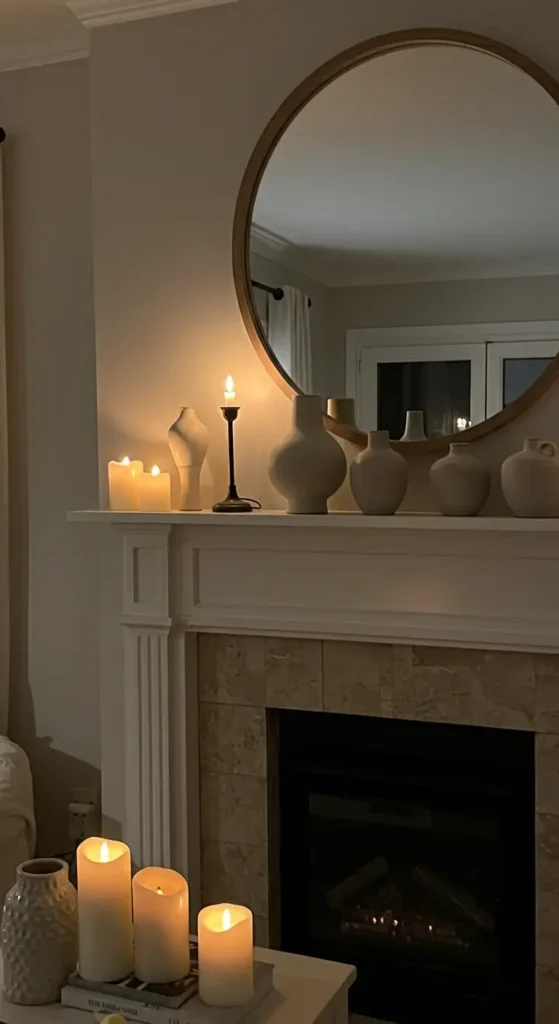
{"points": [[188, 440], [308, 465], [415, 427], [459, 482], [39, 932], [530, 480], [379, 476]]}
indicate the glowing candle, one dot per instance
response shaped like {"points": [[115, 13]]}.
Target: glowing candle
{"points": [[225, 955], [229, 395], [161, 932], [104, 910], [154, 491], [123, 484]]}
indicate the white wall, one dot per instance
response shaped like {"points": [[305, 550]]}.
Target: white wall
{"points": [[450, 302], [54, 699], [178, 105]]}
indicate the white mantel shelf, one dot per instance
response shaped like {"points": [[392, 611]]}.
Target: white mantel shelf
{"points": [[487, 583], [335, 520]]}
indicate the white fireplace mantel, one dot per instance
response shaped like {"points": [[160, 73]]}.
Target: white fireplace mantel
{"points": [[481, 582]]}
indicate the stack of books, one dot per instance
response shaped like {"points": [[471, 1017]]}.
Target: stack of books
{"points": [[177, 1002]]}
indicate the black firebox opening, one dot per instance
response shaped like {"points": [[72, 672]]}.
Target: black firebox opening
{"points": [[407, 849]]}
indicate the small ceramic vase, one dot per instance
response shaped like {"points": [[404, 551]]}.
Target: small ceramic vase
{"points": [[39, 933], [342, 410], [459, 482], [415, 428], [188, 441], [530, 480], [379, 477], [308, 465]]}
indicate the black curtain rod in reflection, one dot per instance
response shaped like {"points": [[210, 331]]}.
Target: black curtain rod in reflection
{"points": [[276, 293]]}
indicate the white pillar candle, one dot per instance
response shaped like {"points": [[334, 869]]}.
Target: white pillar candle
{"points": [[104, 910], [161, 925], [154, 491], [225, 955], [123, 484]]}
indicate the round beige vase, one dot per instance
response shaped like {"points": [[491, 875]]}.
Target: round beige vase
{"points": [[308, 465], [379, 476], [530, 480], [459, 482]]}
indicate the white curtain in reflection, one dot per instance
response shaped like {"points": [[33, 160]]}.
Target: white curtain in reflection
{"points": [[4, 539], [289, 335]]}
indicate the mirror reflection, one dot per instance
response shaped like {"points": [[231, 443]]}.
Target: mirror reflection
{"points": [[404, 245]]}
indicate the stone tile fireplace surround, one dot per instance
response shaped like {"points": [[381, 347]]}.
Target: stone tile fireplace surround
{"points": [[207, 623], [239, 677]]}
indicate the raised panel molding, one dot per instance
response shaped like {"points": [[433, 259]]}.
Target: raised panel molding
{"points": [[36, 52], [93, 13]]}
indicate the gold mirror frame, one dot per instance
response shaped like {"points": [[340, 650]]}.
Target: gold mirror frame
{"points": [[272, 134]]}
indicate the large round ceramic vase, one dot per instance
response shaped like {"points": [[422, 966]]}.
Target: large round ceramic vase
{"points": [[308, 465], [39, 933], [379, 477], [530, 480], [459, 482]]}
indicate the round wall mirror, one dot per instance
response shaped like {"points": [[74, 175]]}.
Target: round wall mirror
{"points": [[396, 238]]}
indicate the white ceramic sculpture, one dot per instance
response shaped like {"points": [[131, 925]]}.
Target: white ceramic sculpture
{"points": [[188, 441], [379, 476], [415, 428], [39, 932], [308, 465], [459, 482], [530, 480], [342, 410]]}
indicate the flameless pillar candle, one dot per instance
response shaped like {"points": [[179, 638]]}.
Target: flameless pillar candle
{"points": [[225, 955], [154, 491], [104, 910], [123, 484], [161, 932]]}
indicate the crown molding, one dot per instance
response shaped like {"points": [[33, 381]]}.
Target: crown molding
{"points": [[34, 53], [93, 13]]}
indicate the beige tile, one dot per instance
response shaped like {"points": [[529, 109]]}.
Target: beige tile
{"points": [[503, 689], [293, 673], [234, 873], [547, 774], [547, 933], [547, 995], [231, 669], [427, 690], [261, 931], [548, 852], [232, 739], [357, 678], [234, 808], [547, 692]]}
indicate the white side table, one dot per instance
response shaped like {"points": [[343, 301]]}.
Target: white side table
{"points": [[307, 991]]}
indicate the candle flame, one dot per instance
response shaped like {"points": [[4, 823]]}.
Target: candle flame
{"points": [[104, 855], [229, 393], [159, 890], [226, 922], [155, 471], [125, 461]]}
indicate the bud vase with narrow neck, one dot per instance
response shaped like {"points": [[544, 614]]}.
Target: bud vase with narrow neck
{"points": [[379, 476], [415, 427], [188, 440], [308, 465]]}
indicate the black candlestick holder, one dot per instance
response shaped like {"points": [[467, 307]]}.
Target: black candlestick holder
{"points": [[232, 503]]}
